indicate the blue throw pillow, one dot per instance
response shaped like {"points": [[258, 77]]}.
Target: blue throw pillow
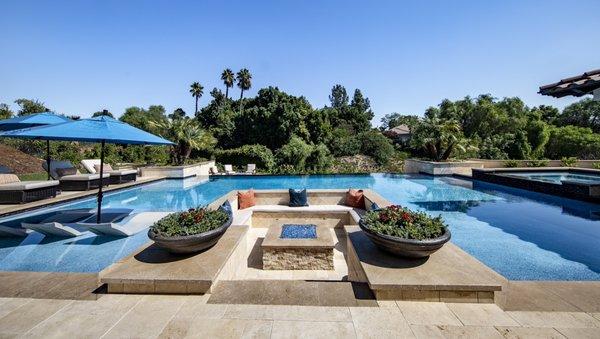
{"points": [[374, 206], [298, 198], [226, 207]]}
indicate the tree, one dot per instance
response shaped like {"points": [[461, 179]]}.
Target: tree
{"points": [[244, 81], [392, 120], [338, 97], [228, 80], [140, 118], [103, 112], [584, 113], [357, 115], [28, 106], [196, 90], [5, 112], [438, 138], [572, 141], [187, 135], [177, 114]]}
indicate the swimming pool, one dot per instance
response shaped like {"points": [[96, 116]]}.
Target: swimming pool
{"points": [[522, 235], [558, 177]]}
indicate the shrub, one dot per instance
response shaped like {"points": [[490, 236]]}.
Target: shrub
{"points": [[294, 153], [193, 221], [376, 145], [571, 141], [247, 154], [568, 161], [537, 163], [511, 163], [320, 159], [596, 165], [344, 143], [401, 222]]}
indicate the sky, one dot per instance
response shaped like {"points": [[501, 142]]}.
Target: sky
{"points": [[79, 57]]}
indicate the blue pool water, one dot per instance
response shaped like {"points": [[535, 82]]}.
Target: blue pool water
{"points": [[558, 177], [522, 235], [295, 231]]}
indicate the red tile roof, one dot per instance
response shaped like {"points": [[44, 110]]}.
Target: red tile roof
{"points": [[577, 86]]}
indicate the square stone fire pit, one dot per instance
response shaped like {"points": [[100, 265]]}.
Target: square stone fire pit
{"points": [[298, 247]]}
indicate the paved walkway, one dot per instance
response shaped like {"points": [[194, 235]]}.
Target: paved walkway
{"points": [[138, 316]]}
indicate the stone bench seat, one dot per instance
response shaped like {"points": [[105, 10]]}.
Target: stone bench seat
{"points": [[243, 217]]}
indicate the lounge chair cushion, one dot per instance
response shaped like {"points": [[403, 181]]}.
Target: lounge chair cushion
{"points": [[122, 172], [8, 178], [54, 165], [246, 199], [27, 185], [66, 171], [83, 177], [107, 168], [298, 198]]}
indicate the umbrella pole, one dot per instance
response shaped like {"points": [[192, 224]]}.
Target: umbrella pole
{"points": [[48, 157], [99, 214]]}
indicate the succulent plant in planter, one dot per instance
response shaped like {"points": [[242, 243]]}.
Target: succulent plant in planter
{"points": [[403, 232], [191, 231]]}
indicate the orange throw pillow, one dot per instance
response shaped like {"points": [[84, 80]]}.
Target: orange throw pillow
{"points": [[355, 198], [246, 200]]}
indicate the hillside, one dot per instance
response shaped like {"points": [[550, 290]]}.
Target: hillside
{"points": [[18, 162]]}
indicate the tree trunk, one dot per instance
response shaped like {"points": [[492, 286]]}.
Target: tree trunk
{"points": [[226, 92], [448, 151], [242, 94], [196, 105]]}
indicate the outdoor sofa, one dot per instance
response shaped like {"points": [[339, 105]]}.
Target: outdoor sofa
{"points": [[15, 191], [117, 176], [72, 180]]}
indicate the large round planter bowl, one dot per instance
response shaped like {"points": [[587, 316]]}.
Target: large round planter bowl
{"points": [[190, 243], [409, 248]]}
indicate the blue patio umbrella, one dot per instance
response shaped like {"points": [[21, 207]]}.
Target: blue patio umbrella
{"points": [[102, 129], [33, 120]]}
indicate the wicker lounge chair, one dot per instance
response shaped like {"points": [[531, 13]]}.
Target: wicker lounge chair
{"points": [[214, 170], [75, 181], [118, 176], [14, 191]]}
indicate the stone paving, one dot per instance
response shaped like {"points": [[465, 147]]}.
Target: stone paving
{"points": [[161, 316]]}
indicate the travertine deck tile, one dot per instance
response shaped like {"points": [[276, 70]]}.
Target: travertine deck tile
{"points": [[312, 329], [482, 315], [10, 304], [427, 313], [554, 319], [24, 318], [310, 313], [529, 332], [580, 333], [148, 318], [374, 322], [458, 332]]}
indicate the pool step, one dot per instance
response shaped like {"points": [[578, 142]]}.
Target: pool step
{"points": [[292, 292]]}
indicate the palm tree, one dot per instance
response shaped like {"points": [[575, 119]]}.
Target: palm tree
{"points": [[228, 79], [244, 81], [187, 135], [439, 138], [197, 90]]}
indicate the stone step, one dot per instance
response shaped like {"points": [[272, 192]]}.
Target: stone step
{"points": [[292, 292]]}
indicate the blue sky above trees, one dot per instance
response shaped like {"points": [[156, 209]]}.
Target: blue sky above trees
{"points": [[80, 57]]}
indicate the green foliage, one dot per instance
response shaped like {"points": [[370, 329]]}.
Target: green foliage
{"points": [[5, 112], [319, 160], [228, 79], [438, 138], [294, 153], [537, 163], [376, 145], [196, 90], [511, 163], [596, 165], [357, 115], [28, 106], [568, 161], [401, 222], [40, 176], [571, 141], [244, 81], [392, 120], [193, 221], [584, 113], [344, 143], [102, 113], [247, 154], [538, 135], [142, 118], [187, 135]]}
